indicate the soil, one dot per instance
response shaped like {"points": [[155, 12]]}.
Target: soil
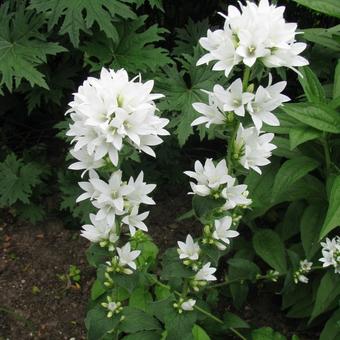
{"points": [[36, 302]]}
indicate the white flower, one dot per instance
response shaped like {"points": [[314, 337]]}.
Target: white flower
{"points": [[205, 273], [267, 100], [135, 220], [256, 32], [127, 257], [188, 305], [305, 268], [253, 149], [209, 177], [331, 253], [99, 231], [90, 191], [233, 98], [211, 114], [112, 306], [85, 161], [188, 250], [299, 277], [113, 109], [235, 195], [222, 232]]}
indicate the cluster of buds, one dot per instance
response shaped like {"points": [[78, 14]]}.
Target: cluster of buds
{"points": [[112, 307], [300, 274]]}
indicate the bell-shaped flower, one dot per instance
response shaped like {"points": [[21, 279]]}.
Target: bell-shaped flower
{"points": [[188, 305], [135, 220], [127, 257], [188, 250], [223, 233], [206, 273], [235, 195]]}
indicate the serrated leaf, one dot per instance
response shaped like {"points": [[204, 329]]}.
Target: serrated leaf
{"points": [[312, 87], [31, 212], [319, 116], [332, 219], [270, 248], [301, 134], [291, 171], [80, 15], [134, 49], [22, 47], [329, 7], [17, 180], [328, 291]]}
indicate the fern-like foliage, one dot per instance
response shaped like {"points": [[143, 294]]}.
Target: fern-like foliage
{"points": [[22, 47], [17, 180], [135, 49], [182, 88], [80, 15]]}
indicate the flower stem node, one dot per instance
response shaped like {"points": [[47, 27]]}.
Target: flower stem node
{"points": [[113, 307]]}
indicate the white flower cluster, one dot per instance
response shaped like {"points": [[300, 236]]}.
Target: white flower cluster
{"points": [[216, 182], [106, 113], [109, 111], [300, 274], [256, 32], [331, 253]]}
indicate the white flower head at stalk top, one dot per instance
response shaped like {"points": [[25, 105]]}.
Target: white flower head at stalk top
{"points": [[135, 220], [209, 177], [211, 113], [223, 233], [110, 110], [127, 257], [266, 100], [188, 249], [331, 253], [255, 32], [206, 273], [233, 98], [235, 195], [252, 149], [99, 231]]}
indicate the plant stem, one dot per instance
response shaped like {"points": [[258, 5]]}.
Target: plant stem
{"points": [[245, 80], [324, 143]]}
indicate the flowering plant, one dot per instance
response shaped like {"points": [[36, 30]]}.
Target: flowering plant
{"points": [[113, 117]]}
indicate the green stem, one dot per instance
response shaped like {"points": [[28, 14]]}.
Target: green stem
{"points": [[324, 143], [246, 76]]}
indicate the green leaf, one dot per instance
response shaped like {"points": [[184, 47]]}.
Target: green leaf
{"points": [[96, 255], [231, 320], [332, 219], [301, 134], [266, 333], [199, 333], [204, 205], [17, 180], [31, 212], [243, 269], [319, 116], [23, 47], [310, 226], [328, 291], [145, 335], [134, 49], [311, 85], [137, 320], [179, 326], [80, 15], [98, 324], [270, 248], [97, 290], [331, 331], [291, 171], [336, 85], [323, 37], [329, 7], [140, 298]]}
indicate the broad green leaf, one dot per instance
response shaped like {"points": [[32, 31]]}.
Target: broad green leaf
{"points": [[319, 116], [140, 298], [266, 333], [311, 85], [301, 134], [243, 269], [145, 335], [231, 320], [98, 324], [323, 37], [137, 320], [22, 47], [173, 266], [310, 226], [291, 171], [329, 7], [331, 331], [96, 255], [332, 219], [204, 205], [336, 85], [283, 148], [80, 15], [199, 333], [270, 248], [328, 291], [17, 180], [97, 290]]}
